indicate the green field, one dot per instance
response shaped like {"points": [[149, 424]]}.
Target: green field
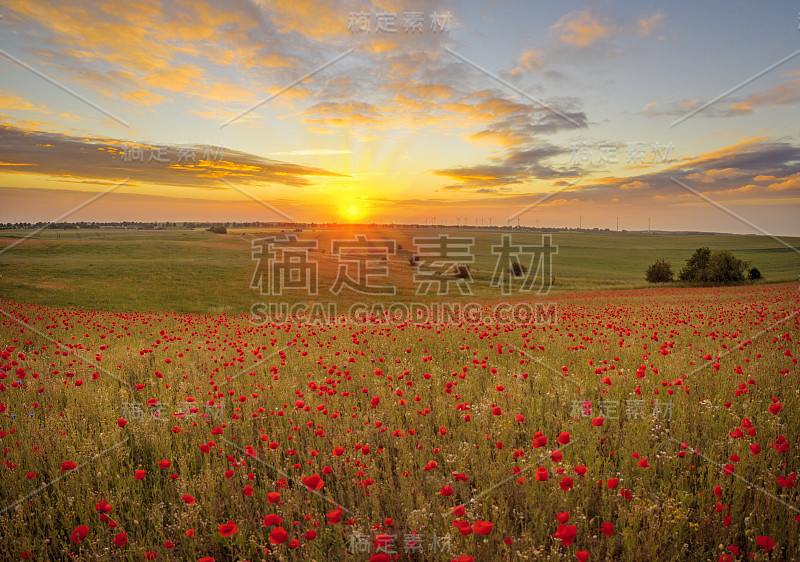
{"points": [[195, 271]]}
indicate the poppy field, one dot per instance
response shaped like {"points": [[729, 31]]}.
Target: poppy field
{"points": [[642, 425]]}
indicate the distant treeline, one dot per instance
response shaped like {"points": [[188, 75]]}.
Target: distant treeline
{"points": [[134, 225]]}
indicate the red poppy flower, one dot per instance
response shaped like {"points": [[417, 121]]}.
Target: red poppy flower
{"points": [[278, 535], [313, 482], [79, 534], [566, 483], [67, 465], [566, 533], [102, 507], [228, 529], [766, 543], [310, 535], [563, 438], [334, 516], [612, 483], [482, 527], [122, 422], [247, 491], [458, 511], [463, 527], [542, 475], [121, 539], [272, 519], [607, 529], [582, 555], [562, 517], [273, 497], [140, 474], [163, 464], [188, 499]]}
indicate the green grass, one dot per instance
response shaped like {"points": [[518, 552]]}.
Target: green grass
{"points": [[194, 271]]}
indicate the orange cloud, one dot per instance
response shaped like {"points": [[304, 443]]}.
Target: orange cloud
{"points": [[646, 25], [581, 29], [791, 182]]}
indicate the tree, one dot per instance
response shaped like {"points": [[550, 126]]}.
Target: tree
{"points": [[697, 266], [659, 272], [754, 274], [719, 266], [726, 268]]}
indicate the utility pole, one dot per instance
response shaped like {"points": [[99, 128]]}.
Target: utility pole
{"points": [[580, 222], [648, 224], [617, 224], [490, 222], [517, 222]]}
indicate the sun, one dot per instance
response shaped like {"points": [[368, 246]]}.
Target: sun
{"points": [[352, 211]]}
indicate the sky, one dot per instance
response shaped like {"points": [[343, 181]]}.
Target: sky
{"points": [[680, 115]]}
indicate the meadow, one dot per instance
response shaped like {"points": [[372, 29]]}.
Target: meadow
{"points": [[143, 415], [195, 271]]}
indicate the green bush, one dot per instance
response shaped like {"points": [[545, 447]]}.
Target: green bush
{"points": [[754, 274], [719, 266], [659, 272]]}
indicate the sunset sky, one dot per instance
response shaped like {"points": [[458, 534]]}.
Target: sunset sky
{"points": [[477, 110]]}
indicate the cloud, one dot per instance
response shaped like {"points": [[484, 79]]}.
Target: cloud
{"points": [[516, 167], [74, 158], [790, 182], [636, 184], [646, 25], [529, 60], [13, 100], [581, 29], [784, 94], [732, 169], [584, 37], [712, 176]]}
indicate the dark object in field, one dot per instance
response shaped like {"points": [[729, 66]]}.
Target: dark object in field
{"points": [[517, 269], [461, 271]]}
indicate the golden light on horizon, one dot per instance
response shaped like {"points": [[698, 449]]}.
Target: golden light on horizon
{"points": [[352, 211]]}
